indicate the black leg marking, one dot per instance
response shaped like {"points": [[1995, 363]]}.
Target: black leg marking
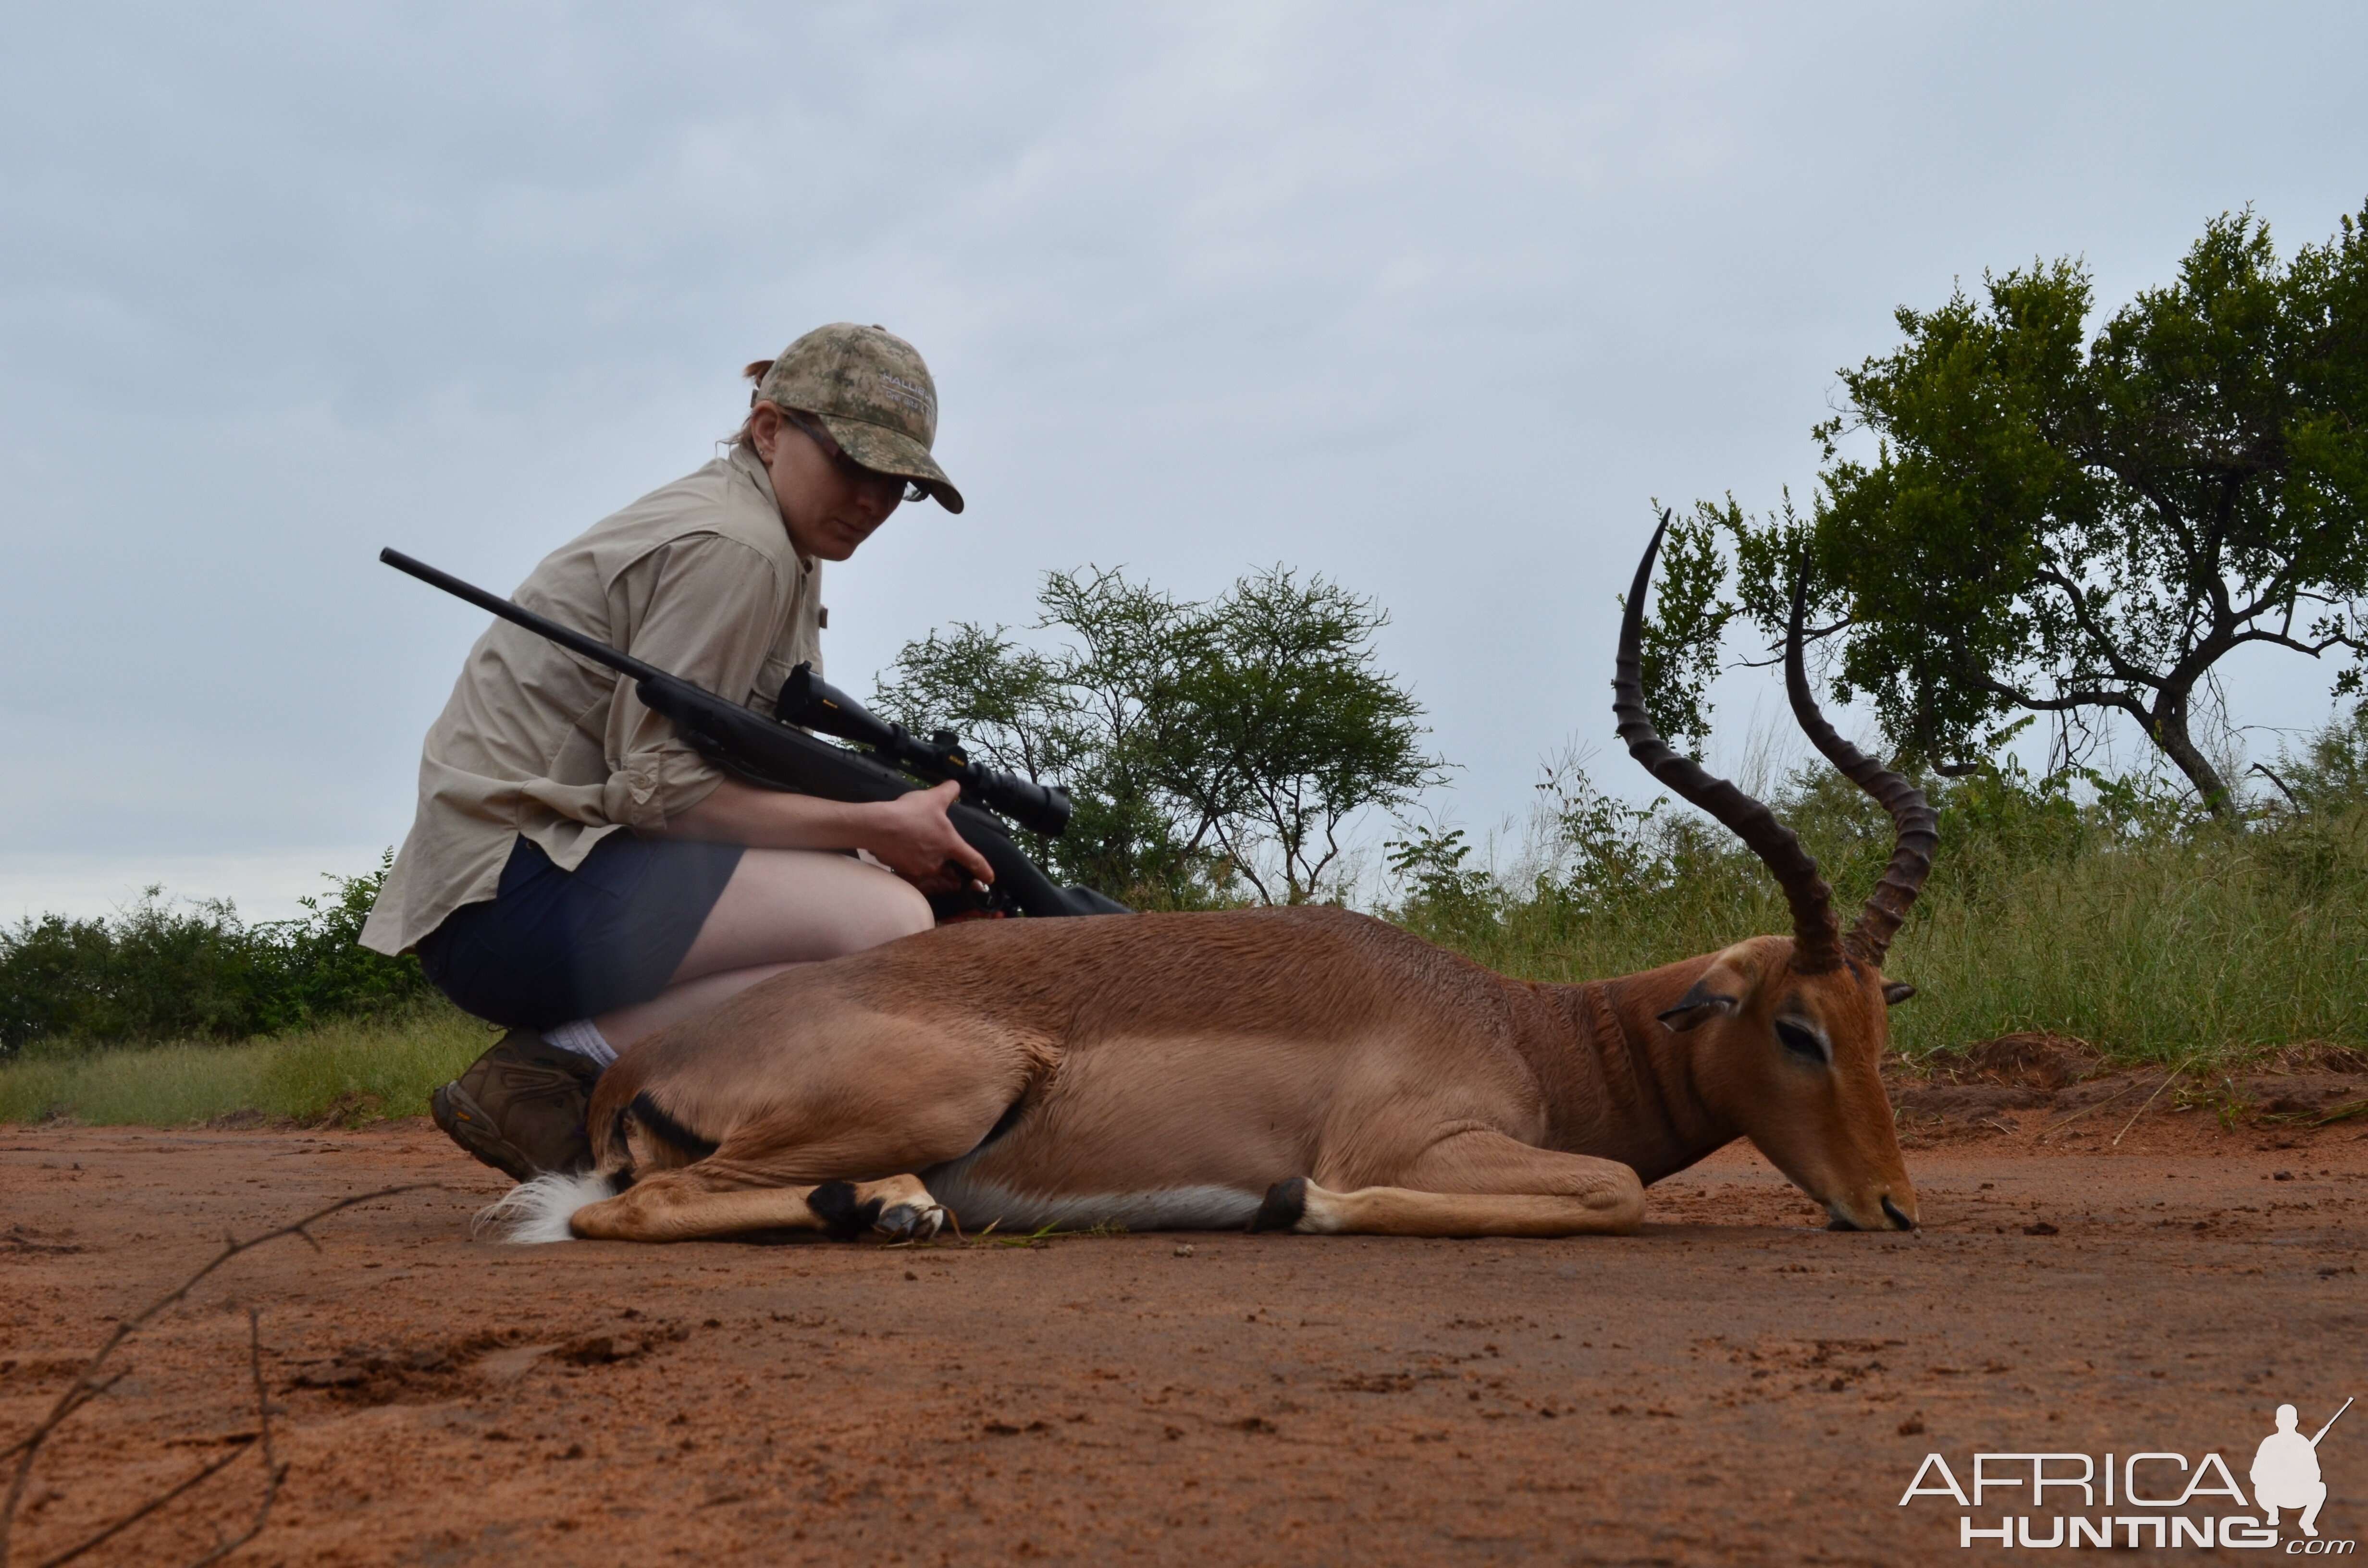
{"points": [[1285, 1204], [843, 1218], [619, 1145], [666, 1130], [1004, 1123]]}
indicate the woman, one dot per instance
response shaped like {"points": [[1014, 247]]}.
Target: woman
{"points": [[577, 870]]}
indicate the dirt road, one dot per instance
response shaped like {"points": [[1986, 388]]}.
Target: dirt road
{"points": [[1735, 1385]]}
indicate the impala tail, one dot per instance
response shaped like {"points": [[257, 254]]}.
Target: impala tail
{"points": [[539, 1211], [641, 1136]]}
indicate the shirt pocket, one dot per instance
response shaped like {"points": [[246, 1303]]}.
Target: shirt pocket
{"points": [[770, 676]]}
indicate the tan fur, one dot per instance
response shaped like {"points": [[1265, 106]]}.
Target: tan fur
{"points": [[1170, 1065]]}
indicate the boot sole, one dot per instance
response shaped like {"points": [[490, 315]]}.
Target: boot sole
{"points": [[466, 1124]]}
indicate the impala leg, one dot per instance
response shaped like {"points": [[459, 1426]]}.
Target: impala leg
{"points": [[1471, 1183], [692, 1204]]}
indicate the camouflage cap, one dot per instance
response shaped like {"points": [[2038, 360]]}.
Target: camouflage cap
{"points": [[869, 388]]}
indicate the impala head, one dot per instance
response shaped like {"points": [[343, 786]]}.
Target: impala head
{"points": [[1788, 1033]]}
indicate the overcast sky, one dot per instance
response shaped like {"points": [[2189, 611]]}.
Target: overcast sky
{"points": [[1432, 300]]}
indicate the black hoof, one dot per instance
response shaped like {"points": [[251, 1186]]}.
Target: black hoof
{"points": [[1285, 1204], [843, 1218]]}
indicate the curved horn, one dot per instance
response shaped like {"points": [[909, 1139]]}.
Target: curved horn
{"points": [[1816, 938], [1917, 828]]}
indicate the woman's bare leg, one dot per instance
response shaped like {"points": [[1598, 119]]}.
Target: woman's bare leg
{"points": [[782, 907]]}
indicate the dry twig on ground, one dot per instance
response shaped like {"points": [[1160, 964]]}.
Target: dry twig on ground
{"points": [[88, 1385], [2124, 1132]]}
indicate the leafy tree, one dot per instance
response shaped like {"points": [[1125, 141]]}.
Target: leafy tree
{"points": [[1205, 744], [2079, 527]]}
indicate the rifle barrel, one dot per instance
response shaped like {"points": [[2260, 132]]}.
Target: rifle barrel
{"points": [[567, 637], [2332, 1421]]}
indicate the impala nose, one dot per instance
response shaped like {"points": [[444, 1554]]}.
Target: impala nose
{"points": [[1895, 1218]]}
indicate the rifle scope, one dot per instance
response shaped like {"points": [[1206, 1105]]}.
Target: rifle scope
{"points": [[806, 698]]}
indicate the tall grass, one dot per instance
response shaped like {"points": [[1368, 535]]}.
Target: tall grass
{"points": [[355, 1068], [2103, 909]]}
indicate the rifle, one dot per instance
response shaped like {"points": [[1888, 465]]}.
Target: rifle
{"points": [[774, 754], [2332, 1421]]}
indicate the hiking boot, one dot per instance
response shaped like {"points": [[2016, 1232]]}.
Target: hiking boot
{"points": [[520, 1107]]}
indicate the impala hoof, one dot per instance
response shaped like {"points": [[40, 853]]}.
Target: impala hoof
{"points": [[1285, 1206], [843, 1216], [910, 1221]]}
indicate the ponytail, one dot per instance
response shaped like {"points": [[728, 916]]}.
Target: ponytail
{"points": [[755, 371]]}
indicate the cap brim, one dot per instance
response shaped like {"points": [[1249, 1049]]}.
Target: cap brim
{"points": [[884, 451]]}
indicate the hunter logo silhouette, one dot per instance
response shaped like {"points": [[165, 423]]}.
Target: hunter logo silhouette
{"points": [[2286, 1471]]}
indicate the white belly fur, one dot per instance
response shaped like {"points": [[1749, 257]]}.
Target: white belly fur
{"points": [[978, 1204]]}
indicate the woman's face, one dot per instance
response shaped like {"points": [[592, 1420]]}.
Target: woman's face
{"points": [[829, 503]]}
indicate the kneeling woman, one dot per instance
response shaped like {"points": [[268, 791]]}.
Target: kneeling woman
{"points": [[576, 872]]}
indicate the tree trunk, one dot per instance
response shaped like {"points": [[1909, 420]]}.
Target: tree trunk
{"points": [[2168, 727]]}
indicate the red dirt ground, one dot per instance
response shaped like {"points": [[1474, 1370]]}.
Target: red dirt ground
{"points": [[1734, 1385]]}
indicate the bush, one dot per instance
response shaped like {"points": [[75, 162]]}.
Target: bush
{"points": [[2110, 909], [165, 970]]}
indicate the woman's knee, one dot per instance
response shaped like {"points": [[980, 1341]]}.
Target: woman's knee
{"points": [[891, 908]]}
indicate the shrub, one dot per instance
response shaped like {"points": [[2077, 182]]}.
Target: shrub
{"points": [[164, 970], [2111, 909]]}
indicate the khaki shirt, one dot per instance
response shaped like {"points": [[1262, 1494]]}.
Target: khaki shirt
{"points": [[700, 579]]}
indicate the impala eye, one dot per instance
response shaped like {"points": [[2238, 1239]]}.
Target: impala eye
{"points": [[1801, 1042]]}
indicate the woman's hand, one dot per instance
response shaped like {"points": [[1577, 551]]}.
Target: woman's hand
{"points": [[911, 834], [913, 837]]}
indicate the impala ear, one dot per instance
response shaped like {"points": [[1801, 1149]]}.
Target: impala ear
{"points": [[1700, 1004], [1732, 976], [1895, 992]]}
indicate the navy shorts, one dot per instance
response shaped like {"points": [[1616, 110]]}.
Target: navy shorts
{"points": [[553, 946]]}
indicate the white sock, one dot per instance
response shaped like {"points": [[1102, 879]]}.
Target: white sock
{"points": [[584, 1037]]}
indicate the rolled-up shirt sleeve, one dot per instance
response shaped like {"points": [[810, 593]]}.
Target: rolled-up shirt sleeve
{"points": [[704, 607]]}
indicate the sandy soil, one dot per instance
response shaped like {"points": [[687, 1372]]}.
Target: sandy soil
{"points": [[1734, 1385]]}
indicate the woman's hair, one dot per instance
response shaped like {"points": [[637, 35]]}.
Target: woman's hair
{"points": [[756, 373]]}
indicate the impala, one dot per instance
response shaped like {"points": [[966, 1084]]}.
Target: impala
{"points": [[1310, 1069]]}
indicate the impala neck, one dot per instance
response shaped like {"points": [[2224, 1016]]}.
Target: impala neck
{"points": [[1621, 1085]]}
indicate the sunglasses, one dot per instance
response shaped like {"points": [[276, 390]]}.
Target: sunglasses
{"points": [[819, 434]]}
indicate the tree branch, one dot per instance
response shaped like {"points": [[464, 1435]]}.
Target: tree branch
{"points": [[275, 1469], [86, 1386], [2065, 701], [2123, 669], [2280, 640]]}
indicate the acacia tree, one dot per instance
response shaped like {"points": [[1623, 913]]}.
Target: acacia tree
{"points": [[1204, 744], [2077, 529]]}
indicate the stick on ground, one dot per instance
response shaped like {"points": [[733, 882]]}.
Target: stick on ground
{"points": [[87, 1386]]}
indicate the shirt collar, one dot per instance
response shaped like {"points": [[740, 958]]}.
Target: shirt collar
{"points": [[747, 463]]}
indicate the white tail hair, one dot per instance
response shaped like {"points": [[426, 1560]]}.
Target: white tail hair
{"points": [[538, 1211]]}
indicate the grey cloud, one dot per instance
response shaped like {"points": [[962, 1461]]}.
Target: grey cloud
{"points": [[1429, 298]]}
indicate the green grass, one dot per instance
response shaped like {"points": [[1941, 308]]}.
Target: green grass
{"points": [[384, 1067], [2151, 954], [2153, 937]]}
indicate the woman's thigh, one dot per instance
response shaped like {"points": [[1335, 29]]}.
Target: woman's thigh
{"points": [[800, 906]]}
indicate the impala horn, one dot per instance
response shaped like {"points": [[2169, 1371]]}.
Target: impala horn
{"points": [[1816, 936], [1917, 828]]}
